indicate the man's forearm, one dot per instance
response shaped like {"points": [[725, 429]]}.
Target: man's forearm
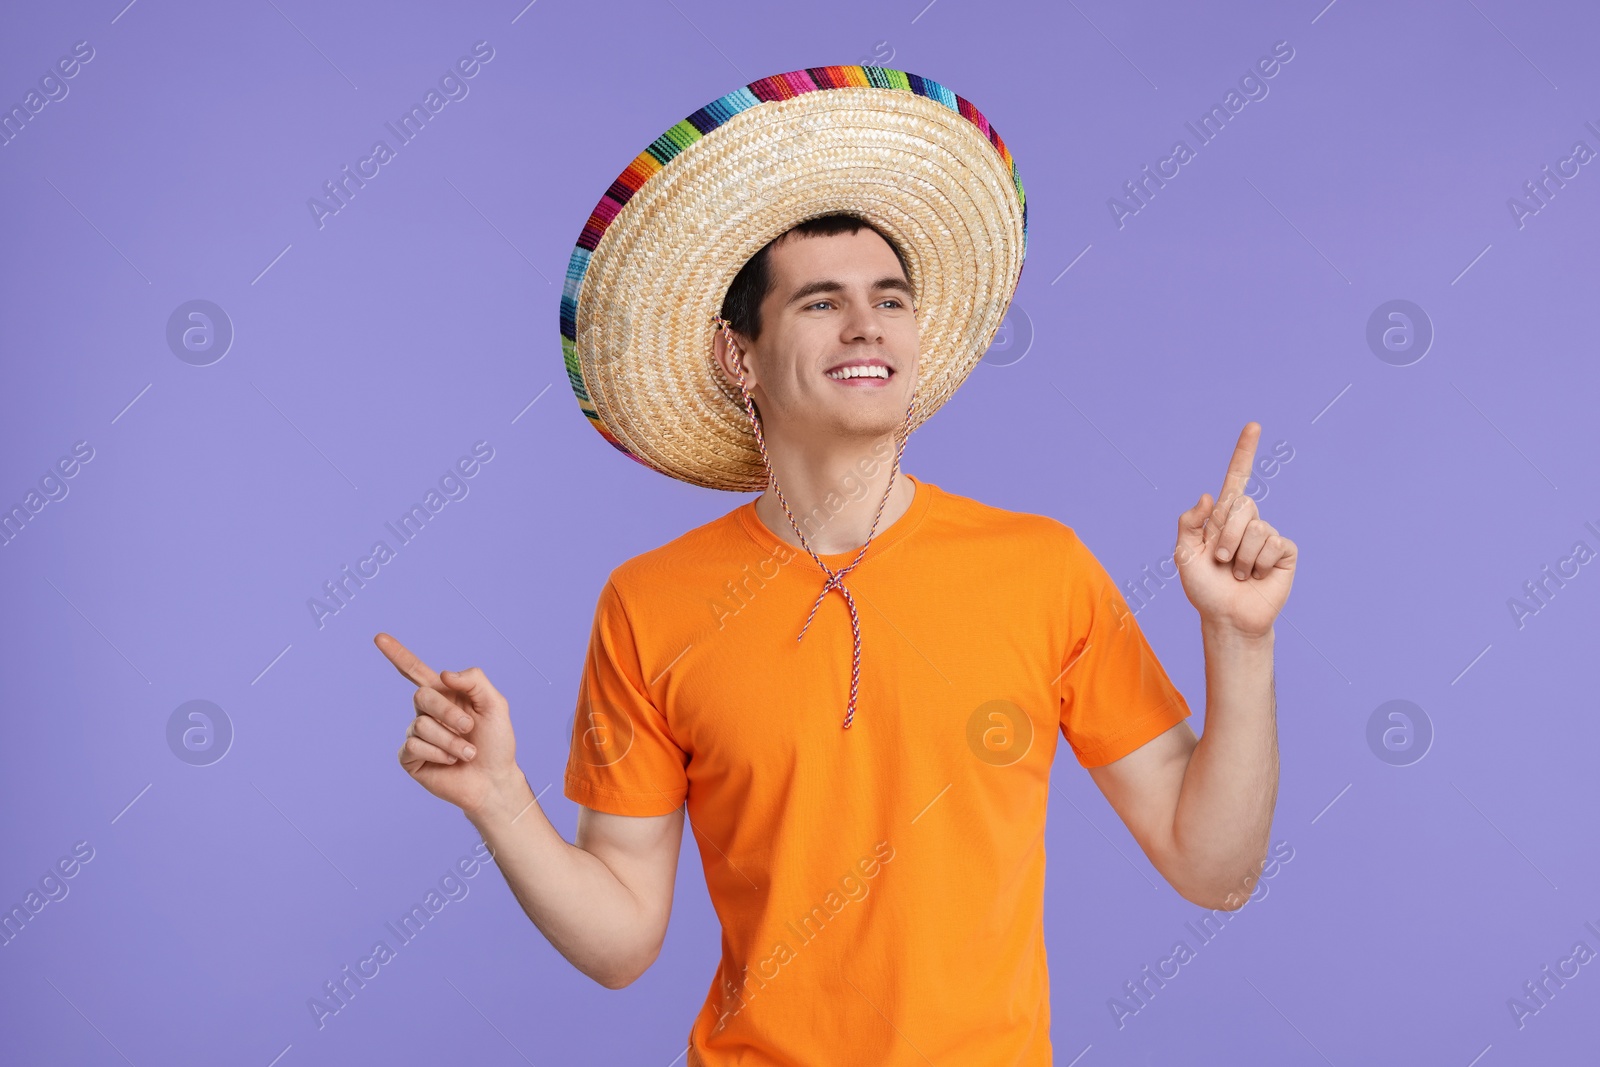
{"points": [[1224, 812], [575, 900]]}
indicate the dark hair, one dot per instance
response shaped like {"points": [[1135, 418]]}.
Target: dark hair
{"points": [[742, 304]]}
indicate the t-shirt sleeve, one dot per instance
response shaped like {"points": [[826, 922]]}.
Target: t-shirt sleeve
{"points": [[1115, 696], [623, 758]]}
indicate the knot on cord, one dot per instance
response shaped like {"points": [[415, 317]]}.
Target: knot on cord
{"points": [[836, 581]]}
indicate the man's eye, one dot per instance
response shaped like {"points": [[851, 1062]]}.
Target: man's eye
{"points": [[890, 300]]}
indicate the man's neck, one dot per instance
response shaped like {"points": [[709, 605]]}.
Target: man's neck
{"points": [[835, 496]]}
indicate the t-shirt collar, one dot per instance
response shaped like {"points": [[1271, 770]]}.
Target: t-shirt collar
{"points": [[882, 540]]}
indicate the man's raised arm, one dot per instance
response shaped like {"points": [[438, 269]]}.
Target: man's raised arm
{"points": [[603, 902], [1202, 809]]}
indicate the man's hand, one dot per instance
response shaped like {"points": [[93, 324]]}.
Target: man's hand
{"points": [[604, 902], [460, 745], [1236, 568]]}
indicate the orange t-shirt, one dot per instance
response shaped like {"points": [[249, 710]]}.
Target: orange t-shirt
{"points": [[880, 888]]}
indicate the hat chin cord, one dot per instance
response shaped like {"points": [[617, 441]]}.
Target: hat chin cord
{"points": [[835, 578]]}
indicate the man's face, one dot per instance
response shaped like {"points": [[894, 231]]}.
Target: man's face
{"points": [[836, 301]]}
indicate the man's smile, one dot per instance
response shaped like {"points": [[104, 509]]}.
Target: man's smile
{"points": [[873, 372]]}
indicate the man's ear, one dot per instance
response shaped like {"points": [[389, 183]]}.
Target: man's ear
{"points": [[727, 359]]}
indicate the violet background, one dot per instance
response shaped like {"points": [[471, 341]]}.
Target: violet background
{"points": [[371, 353]]}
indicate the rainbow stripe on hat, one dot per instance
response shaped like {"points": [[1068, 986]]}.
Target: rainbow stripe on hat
{"points": [[662, 150]]}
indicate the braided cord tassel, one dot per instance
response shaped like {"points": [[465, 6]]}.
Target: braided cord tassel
{"points": [[835, 578]]}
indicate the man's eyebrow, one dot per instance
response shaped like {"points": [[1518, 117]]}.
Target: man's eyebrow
{"points": [[829, 286]]}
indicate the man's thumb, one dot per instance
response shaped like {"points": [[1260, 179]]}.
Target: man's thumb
{"points": [[473, 684], [1191, 526]]}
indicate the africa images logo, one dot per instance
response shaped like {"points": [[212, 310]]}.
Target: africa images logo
{"points": [[453, 87]]}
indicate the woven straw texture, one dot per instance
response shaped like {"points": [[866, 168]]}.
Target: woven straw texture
{"points": [[661, 248]]}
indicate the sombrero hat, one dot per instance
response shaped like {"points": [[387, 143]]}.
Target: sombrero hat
{"points": [[660, 249]]}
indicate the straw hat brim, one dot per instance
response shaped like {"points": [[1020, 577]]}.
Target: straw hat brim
{"points": [[662, 247]]}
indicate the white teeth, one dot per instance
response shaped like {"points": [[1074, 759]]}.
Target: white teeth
{"points": [[859, 372]]}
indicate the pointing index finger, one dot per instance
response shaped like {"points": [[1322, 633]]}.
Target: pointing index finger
{"points": [[406, 662], [1244, 456]]}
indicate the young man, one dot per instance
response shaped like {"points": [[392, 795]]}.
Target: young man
{"points": [[854, 683]]}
